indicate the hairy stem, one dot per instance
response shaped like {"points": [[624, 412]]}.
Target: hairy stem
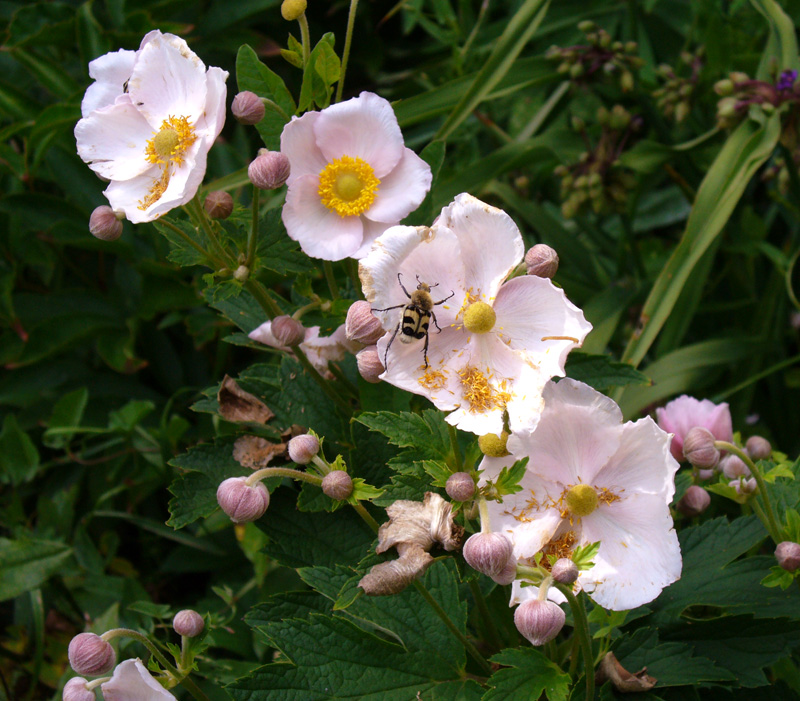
{"points": [[348, 39]]}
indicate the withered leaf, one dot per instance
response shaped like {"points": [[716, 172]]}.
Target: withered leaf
{"points": [[623, 680], [237, 405], [256, 452], [395, 575]]}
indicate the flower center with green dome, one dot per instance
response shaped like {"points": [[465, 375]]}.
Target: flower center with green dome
{"points": [[348, 186], [168, 146], [479, 317], [581, 500]]}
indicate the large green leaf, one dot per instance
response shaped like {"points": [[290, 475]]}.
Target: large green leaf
{"points": [[27, 563], [527, 673]]}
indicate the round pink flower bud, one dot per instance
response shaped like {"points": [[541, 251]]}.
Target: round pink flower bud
{"points": [[565, 571], [508, 574], [788, 555], [694, 502], [362, 325], [699, 449], [758, 448], [488, 552], [218, 204], [243, 503], [705, 474], [337, 484], [303, 448], [733, 466], [460, 486], [89, 654], [104, 225], [248, 108], [542, 261], [269, 170], [369, 364], [75, 690], [287, 331], [539, 621], [188, 623]]}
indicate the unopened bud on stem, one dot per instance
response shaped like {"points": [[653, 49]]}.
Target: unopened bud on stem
{"points": [[758, 448], [542, 261], [694, 502], [188, 623], [362, 325], [788, 555], [488, 553], [302, 449], [89, 654], [288, 331], [539, 620], [269, 170], [248, 108], [242, 502], [338, 485], [699, 448], [369, 364], [218, 204], [104, 225], [564, 571], [733, 466], [460, 486], [75, 690]]}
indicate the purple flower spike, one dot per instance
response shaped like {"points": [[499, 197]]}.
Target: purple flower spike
{"points": [[786, 80]]}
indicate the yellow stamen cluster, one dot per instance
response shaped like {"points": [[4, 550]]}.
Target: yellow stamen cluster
{"points": [[479, 393], [168, 146], [559, 547], [348, 186], [433, 380], [479, 317]]}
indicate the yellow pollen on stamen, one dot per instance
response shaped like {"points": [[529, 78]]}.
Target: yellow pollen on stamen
{"points": [[560, 338], [167, 147], [433, 380], [479, 393], [559, 547], [348, 186], [581, 500]]}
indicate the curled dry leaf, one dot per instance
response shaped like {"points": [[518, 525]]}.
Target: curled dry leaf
{"points": [[237, 405], [395, 575], [256, 452], [621, 678]]}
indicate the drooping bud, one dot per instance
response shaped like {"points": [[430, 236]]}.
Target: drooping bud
{"points": [[287, 331], [494, 446], [508, 573], [362, 325], [75, 690], [293, 9], [733, 466], [369, 364], [188, 623], [699, 449], [460, 486], [758, 448], [542, 261], [694, 502], [89, 654], [564, 571], [241, 273], [104, 225], [337, 484], [269, 170], [218, 204], [242, 502], [488, 553], [303, 448], [248, 108], [539, 621], [788, 555], [744, 486]]}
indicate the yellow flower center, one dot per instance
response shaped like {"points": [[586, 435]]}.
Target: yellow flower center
{"points": [[494, 446], [168, 146], [479, 392], [479, 317], [581, 500], [348, 186]]}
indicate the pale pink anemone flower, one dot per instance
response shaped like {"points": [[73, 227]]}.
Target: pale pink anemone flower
{"points": [[681, 415], [351, 177], [320, 350], [592, 478], [149, 120], [132, 682], [500, 341]]}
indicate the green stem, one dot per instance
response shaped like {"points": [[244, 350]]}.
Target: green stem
{"points": [[483, 510], [199, 218], [488, 620], [582, 634], [305, 38], [348, 39], [252, 235], [459, 464], [265, 301], [352, 271], [216, 261], [468, 646], [330, 279], [771, 524], [365, 515], [185, 661], [474, 32], [267, 472], [543, 113]]}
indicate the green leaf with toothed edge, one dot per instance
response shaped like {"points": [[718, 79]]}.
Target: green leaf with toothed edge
{"points": [[526, 673]]}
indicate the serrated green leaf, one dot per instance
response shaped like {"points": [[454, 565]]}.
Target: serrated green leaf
{"points": [[438, 471], [322, 66], [602, 373], [312, 498], [363, 491], [528, 674], [507, 481], [19, 459], [27, 563], [183, 251], [276, 251], [426, 433]]}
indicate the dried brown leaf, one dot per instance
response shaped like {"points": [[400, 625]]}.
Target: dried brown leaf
{"points": [[256, 452], [623, 680], [395, 575], [237, 405]]}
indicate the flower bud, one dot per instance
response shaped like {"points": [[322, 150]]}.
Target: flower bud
{"points": [[788, 555], [293, 9], [89, 654], [218, 204], [494, 446], [460, 486], [303, 448], [724, 87], [369, 364], [287, 331], [248, 108], [242, 502], [104, 225], [744, 486], [269, 170], [542, 261], [564, 571], [694, 502], [699, 449], [733, 466], [241, 273], [362, 325], [758, 448], [539, 621], [508, 574], [488, 552], [75, 690], [188, 623], [337, 484]]}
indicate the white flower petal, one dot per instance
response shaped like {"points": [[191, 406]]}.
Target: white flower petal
{"points": [[639, 552], [363, 127], [536, 318], [372, 230], [299, 145], [520, 594], [402, 190], [110, 73], [321, 232], [213, 118], [263, 334], [132, 682], [490, 243], [113, 140]]}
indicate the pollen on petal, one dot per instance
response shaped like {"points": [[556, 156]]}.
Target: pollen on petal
{"points": [[167, 147], [479, 393]]}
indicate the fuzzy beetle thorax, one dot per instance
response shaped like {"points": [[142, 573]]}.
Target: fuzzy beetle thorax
{"points": [[422, 299]]}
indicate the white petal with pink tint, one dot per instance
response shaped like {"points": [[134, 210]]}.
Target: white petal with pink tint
{"points": [[402, 190], [132, 682], [681, 415], [299, 145], [110, 72]]}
